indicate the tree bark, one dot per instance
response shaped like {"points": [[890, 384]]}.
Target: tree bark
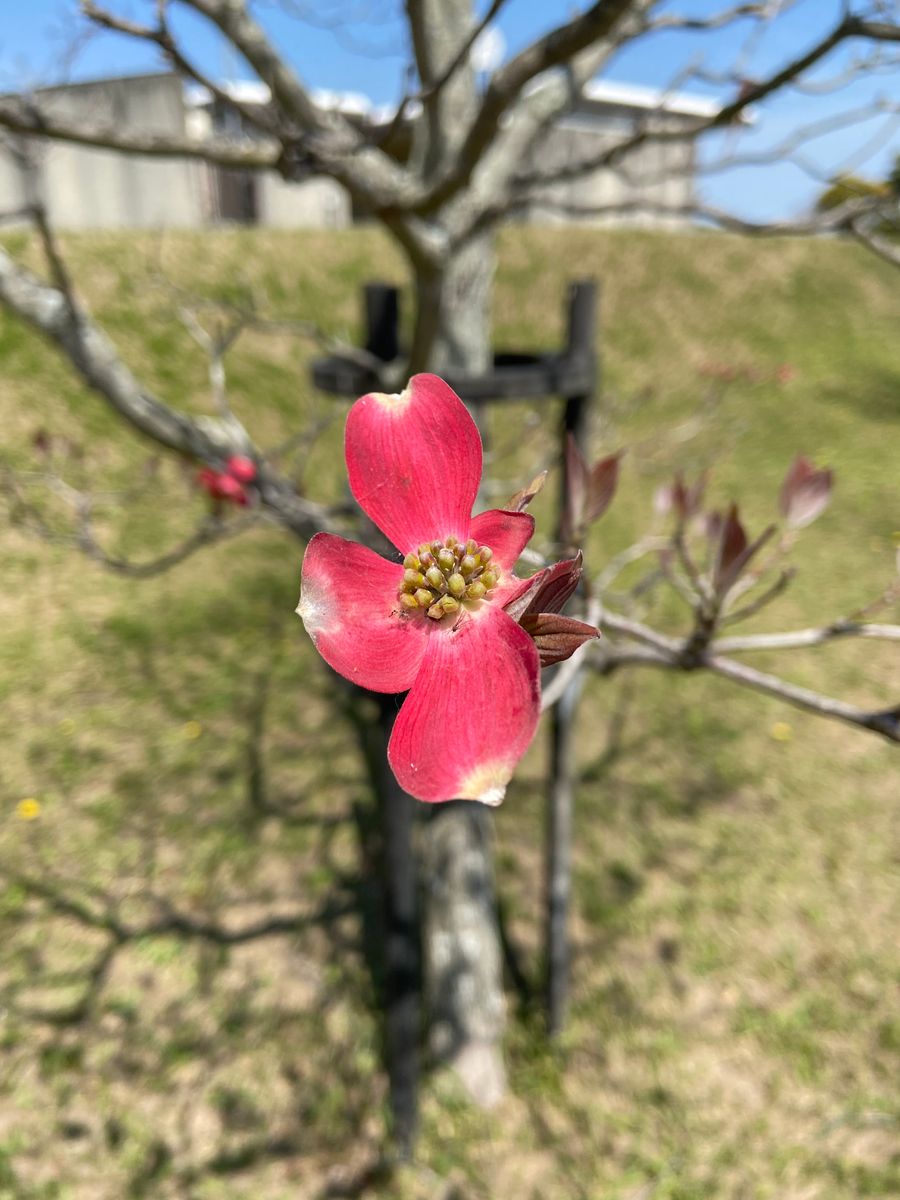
{"points": [[462, 951], [453, 311], [464, 977]]}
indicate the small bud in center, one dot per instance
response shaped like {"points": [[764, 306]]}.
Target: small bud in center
{"points": [[456, 584], [489, 578], [485, 554], [468, 564], [423, 598], [411, 562], [416, 578], [408, 601], [446, 560], [435, 577], [476, 590]]}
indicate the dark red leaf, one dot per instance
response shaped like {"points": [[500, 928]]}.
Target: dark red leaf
{"points": [[549, 589], [731, 550], [602, 483], [557, 637], [734, 550]]}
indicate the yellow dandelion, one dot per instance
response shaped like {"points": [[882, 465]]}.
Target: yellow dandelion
{"points": [[781, 731], [28, 809], [191, 730]]}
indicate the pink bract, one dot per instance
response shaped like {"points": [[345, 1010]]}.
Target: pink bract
{"points": [[473, 676]]}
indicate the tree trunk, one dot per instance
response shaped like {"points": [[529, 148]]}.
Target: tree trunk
{"points": [[463, 959], [464, 976], [453, 312]]}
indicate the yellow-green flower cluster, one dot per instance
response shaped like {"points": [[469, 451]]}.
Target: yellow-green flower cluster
{"points": [[443, 575]]}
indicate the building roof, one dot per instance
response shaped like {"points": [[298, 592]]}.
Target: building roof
{"points": [[598, 93], [632, 95]]}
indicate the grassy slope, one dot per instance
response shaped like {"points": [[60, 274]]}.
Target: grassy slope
{"points": [[734, 1028]]}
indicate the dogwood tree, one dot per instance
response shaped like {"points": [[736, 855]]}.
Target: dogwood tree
{"points": [[462, 152]]}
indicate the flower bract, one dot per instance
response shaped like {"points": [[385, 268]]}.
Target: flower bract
{"points": [[434, 624]]}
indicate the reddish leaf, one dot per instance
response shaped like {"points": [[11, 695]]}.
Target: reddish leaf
{"points": [[604, 478], [578, 482], [805, 492], [680, 498], [731, 551], [734, 551], [556, 637], [548, 590], [520, 501]]}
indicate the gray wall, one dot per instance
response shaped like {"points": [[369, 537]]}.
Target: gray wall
{"points": [[84, 188], [658, 173], [314, 204]]}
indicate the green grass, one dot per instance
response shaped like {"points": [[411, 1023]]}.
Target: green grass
{"points": [[733, 1028]]}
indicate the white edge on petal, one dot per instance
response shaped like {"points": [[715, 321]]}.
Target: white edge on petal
{"points": [[313, 610], [493, 797], [487, 783], [393, 401]]}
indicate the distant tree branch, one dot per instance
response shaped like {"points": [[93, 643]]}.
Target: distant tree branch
{"points": [[749, 94], [92, 354], [671, 653], [885, 722], [161, 36], [804, 638], [553, 49], [211, 530], [25, 116]]}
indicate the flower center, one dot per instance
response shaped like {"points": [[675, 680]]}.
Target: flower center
{"points": [[442, 576]]}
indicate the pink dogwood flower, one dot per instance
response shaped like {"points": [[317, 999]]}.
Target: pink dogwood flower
{"points": [[434, 624]]}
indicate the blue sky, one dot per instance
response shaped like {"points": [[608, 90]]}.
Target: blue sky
{"points": [[359, 45]]}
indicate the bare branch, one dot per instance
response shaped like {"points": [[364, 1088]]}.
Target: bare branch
{"points": [[677, 654], [803, 638], [313, 136], [558, 46], [96, 360], [232, 18], [211, 531], [740, 12], [25, 116], [161, 35], [749, 94], [885, 722]]}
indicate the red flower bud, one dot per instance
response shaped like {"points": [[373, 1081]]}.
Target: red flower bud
{"points": [[241, 468]]}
